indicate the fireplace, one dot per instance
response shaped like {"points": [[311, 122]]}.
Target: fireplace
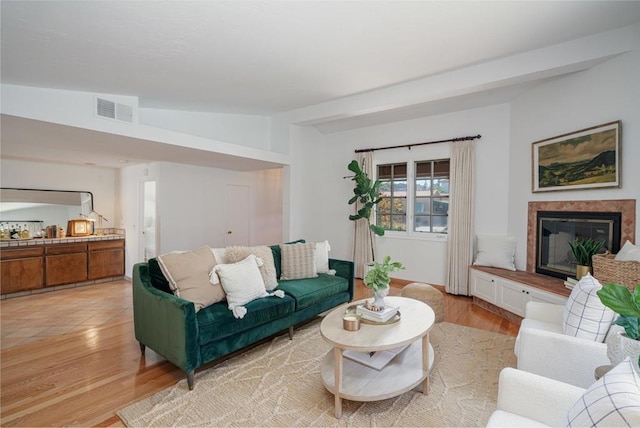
{"points": [[626, 207], [556, 229]]}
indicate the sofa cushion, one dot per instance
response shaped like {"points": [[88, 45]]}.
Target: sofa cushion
{"points": [[298, 261], [500, 418], [267, 270], [312, 290], [157, 278], [614, 400], [277, 256], [584, 314], [217, 322], [188, 276], [322, 256], [496, 251], [241, 281]]}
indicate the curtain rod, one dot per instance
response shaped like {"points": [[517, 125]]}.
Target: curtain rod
{"points": [[452, 140]]}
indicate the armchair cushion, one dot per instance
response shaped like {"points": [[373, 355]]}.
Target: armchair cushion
{"points": [[614, 400], [584, 315], [526, 399], [558, 356]]}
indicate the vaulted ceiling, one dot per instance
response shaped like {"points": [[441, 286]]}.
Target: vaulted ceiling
{"points": [[265, 57]]}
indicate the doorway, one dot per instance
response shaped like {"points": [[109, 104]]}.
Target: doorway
{"points": [[149, 229]]}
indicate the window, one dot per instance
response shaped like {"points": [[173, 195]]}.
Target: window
{"points": [[429, 201], [431, 196], [392, 209]]}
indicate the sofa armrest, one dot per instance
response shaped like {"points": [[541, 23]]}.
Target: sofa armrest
{"points": [[547, 312], [164, 322], [557, 356], [344, 269], [535, 397]]}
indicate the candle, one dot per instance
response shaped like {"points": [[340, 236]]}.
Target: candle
{"points": [[351, 322]]}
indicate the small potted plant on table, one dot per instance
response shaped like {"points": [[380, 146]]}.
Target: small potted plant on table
{"points": [[377, 279]]}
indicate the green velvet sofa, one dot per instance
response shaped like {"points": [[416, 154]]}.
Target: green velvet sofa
{"points": [[171, 327]]}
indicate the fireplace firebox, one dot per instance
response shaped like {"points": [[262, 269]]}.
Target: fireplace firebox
{"points": [[557, 229]]}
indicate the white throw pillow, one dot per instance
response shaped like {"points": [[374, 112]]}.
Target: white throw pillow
{"points": [[219, 254], [242, 282], [268, 268], [298, 261], [322, 256], [496, 251], [584, 314], [188, 275], [628, 252], [612, 401]]}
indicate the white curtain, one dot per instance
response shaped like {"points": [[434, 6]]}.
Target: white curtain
{"points": [[362, 246], [461, 211]]}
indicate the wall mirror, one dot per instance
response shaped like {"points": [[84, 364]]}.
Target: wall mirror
{"points": [[36, 209]]}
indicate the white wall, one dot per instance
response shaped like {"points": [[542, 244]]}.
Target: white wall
{"points": [[243, 129], [191, 206], [101, 182], [605, 93], [320, 196]]}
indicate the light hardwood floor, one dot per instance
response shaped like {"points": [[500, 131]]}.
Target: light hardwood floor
{"points": [[92, 367]]}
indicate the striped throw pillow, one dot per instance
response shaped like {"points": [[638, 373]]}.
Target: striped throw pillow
{"points": [[298, 261]]}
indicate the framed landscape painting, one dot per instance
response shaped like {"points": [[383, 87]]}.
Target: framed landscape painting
{"points": [[585, 159]]}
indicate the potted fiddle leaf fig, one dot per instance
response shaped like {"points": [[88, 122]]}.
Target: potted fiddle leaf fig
{"points": [[367, 193], [583, 250], [619, 299]]}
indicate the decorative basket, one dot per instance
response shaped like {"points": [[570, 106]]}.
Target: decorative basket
{"points": [[608, 270]]}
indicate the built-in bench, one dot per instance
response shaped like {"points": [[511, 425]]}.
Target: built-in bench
{"points": [[506, 292]]}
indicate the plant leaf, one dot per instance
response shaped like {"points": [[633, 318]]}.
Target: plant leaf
{"points": [[619, 299], [378, 230]]}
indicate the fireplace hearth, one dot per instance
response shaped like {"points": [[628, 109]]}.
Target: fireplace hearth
{"points": [[557, 229]]}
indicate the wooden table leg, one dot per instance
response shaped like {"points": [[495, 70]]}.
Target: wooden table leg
{"points": [[337, 357], [425, 363]]}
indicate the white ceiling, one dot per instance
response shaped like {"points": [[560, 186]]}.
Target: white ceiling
{"points": [[263, 57]]}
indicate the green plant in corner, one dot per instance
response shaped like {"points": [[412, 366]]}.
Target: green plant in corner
{"points": [[584, 249], [367, 193], [378, 276]]}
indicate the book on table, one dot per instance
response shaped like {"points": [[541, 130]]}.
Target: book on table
{"points": [[382, 315], [375, 360]]}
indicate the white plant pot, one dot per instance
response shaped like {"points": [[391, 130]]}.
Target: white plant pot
{"points": [[619, 346], [378, 297]]}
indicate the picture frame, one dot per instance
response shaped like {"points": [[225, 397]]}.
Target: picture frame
{"points": [[584, 159]]}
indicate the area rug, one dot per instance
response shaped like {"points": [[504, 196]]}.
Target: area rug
{"points": [[279, 384]]}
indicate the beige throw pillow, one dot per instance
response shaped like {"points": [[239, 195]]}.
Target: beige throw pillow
{"points": [[188, 276], [298, 261], [268, 268]]}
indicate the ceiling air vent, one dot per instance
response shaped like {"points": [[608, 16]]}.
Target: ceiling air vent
{"points": [[111, 110]]}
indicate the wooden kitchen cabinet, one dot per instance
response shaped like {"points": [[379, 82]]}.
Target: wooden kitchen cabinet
{"points": [[65, 264], [49, 264], [21, 269], [106, 259]]}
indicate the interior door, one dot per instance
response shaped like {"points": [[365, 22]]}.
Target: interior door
{"points": [[149, 241], [237, 232]]}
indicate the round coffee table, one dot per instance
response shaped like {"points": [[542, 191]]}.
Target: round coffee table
{"points": [[349, 379]]}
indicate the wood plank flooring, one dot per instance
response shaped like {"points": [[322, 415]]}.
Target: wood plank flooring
{"points": [[82, 376]]}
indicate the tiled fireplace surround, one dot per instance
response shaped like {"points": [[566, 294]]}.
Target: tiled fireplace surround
{"points": [[625, 206]]}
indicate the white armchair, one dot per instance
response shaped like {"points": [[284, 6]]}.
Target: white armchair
{"points": [[542, 347], [529, 400]]}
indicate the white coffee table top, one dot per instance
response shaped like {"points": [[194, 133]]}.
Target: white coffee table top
{"points": [[416, 318]]}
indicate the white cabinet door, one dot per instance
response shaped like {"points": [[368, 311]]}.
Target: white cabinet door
{"points": [[483, 286], [513, 296]]}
